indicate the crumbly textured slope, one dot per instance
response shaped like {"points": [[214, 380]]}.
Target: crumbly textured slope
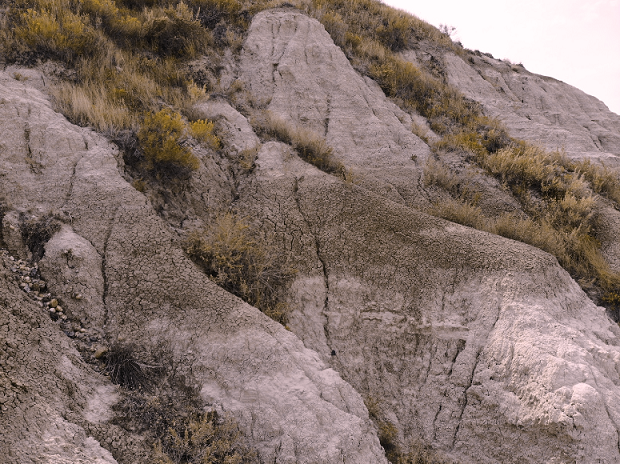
{"points": [[45, 387], [539, 109], [294, 408], [480, 345]]}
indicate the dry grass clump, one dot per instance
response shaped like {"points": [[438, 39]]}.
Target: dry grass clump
{"points": [[37, 231], [394, 29], [166, 408], [601, 179], [310, 146], [124, 369], [461, 212], [557, 198], [460, 185], [84, 105], [234, 257], [438, 173]]}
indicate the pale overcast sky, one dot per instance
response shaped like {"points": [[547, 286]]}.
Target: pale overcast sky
{"points": [[575, 41]]}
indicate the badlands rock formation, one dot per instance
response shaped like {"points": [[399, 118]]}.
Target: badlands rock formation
{"points": [[142, 288], [479, 346], [539, 109]]}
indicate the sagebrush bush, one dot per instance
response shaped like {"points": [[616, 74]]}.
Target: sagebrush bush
{"points": [[160, 138], [209, 439], [234, 256]]}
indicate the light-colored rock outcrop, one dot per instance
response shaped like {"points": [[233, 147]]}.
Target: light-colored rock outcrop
{"points": [[480, 345], [539, 109], [547, 112], [294, 408], [290, 61]]}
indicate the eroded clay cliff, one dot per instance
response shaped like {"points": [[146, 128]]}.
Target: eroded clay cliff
{"points": [[482, 347]]}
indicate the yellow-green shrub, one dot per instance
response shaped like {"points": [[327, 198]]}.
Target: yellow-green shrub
{"points": [[160, 138], [202, 130], [57, 33]]}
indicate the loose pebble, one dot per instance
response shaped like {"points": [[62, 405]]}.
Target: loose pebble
{"points": [[29, 280], [100, 352]]}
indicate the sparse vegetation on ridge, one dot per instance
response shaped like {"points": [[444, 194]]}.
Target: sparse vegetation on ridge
{"points": [[163, 405], [234, 256], [310, 146], [559, 203]]}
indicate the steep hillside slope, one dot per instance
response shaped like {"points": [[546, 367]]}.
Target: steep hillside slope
{"points": [[538, 108], [403, 327], [436, 322], [114, 247]]}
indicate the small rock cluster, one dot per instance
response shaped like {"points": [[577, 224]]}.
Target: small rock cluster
{"points": [[29, 280]]}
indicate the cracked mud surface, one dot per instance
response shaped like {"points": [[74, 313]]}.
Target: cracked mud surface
{"points": [[480, 346]]}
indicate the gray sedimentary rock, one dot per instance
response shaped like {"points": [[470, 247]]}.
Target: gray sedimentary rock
{"points": [[294, 408], [480, 345], [291, 61], [46, 389], [539, 109]]}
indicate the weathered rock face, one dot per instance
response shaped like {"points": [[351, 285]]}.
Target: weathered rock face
{"points": [[291, 61], [546, 112], [142, 288], [45, 387], [482, 346], [539, 109]]}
